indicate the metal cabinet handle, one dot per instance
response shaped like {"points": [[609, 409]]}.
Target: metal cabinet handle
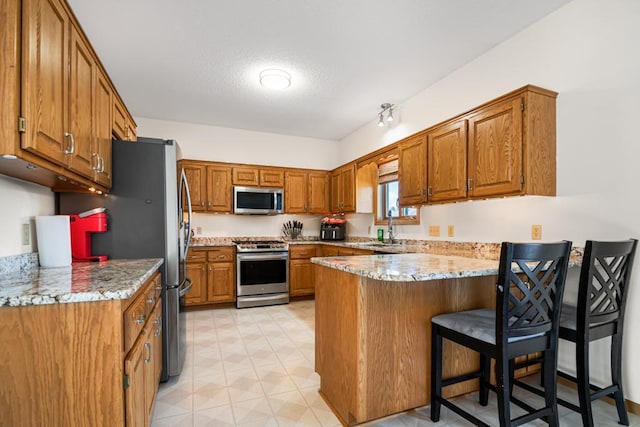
{"points": [[429, 194], [72, 143], [96, 167], [151, 300], [158, 322], [141, 318], [470, 184], [147, 345], [209, 204], [101, 167]]}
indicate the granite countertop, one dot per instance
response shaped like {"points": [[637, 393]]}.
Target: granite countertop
{"points": [[411, 267], [80, 282], [414, 267]]}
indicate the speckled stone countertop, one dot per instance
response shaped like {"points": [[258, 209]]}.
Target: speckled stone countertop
{"points": [[410, 267], [414, 267], [86, 281]]}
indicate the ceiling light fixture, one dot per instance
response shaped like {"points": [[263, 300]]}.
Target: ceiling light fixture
{"points": [[386, 108], [275, 79]]}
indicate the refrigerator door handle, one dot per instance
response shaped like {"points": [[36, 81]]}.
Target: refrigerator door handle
{"points": [[183, 291], [185, 190]]}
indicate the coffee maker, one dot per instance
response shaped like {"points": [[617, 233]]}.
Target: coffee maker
{"points": [[82, 226], [333, 228]]}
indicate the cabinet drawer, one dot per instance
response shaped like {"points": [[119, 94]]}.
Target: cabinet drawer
{"points": [[134, 319], [197, 256], [302, 251], [225, 254]]}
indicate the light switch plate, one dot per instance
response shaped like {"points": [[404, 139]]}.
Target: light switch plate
{"points": [[26, 238], [536, 232], [450, 231], [434, 230]]}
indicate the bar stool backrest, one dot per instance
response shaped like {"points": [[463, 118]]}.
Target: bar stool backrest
{"points": [[530, 286], [604, 279]]}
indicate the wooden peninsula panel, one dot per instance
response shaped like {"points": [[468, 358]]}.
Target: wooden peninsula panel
{"points": [[373, 340]]}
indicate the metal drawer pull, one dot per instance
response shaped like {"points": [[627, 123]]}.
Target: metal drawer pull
{"points": [[141, 318], [151, 300], [148, 346]]}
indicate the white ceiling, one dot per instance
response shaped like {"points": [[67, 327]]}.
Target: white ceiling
{"points": [[198, 61]]}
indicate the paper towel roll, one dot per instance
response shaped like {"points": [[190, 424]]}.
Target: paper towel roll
{"points": [[54, 240]]}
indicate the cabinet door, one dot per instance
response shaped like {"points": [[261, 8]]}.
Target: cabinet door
{"points": [[495, 150], [219, 189], [119, 125], [329, 250], [271, 178], [318, 194], [245, 176], [151, 358], [221, 283], [45, 79], [295, 193], [157, 345], [103, 130], [348, 184], [83, 157], [135, 407], [197, 181], [447, 162], [336, 192], [301, 278], [197, 272], [412, 171]]}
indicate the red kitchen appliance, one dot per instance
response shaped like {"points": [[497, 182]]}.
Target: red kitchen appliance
{"points": [[82, 226]]}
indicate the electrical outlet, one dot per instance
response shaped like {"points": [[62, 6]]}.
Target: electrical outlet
{"points": [[198, 231], [26, 238], [434, 230], [450, 231], [536, 232]]}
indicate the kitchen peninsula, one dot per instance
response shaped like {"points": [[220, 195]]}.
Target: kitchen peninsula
{"points": [[373, 334]]}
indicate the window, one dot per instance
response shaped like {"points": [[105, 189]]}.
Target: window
{"points": [[388, 193]]}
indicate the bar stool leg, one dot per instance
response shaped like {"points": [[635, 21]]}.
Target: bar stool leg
{"points": [[503, 390], [551, 389], [616, 377], [584, 394], [436, 373], [485, 366]]}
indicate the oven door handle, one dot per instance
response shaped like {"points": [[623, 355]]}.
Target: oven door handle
{"points": [[263, 257]]}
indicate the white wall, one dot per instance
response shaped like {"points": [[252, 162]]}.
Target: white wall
{"points": [[587, 52], [202, 142], [21, 202]]}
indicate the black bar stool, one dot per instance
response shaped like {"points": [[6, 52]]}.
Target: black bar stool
{"points": [[528, 298], [602, 294]]}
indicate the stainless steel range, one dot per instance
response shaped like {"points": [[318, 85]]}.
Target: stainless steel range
{"points": [[262, 272]]}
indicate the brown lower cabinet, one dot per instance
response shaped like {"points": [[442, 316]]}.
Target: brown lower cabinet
{"points": [[301, 272], [93, 363], [213, 273]]}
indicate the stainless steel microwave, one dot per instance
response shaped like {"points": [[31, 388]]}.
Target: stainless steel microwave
{"points": [[257, 201]]}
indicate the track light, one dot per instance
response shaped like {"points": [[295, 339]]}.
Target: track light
{"points": [[386, 108]]}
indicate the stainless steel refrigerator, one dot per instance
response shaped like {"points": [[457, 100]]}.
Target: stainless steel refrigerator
{"points": [[149, 215]]}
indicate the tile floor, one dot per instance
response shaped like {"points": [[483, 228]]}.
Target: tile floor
{"points": [[255, 367]]}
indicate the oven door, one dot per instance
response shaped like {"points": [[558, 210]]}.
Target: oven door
{"points": [[262, 273]]}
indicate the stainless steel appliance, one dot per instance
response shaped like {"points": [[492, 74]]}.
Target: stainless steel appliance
{"points": [[257, 200], [149, 217], [262, 273]]}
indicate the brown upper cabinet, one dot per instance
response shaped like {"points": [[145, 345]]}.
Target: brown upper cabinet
{"points": [[124, 128], [210, 186], [447, 162], [57, 99], [343, 193], [249, 176], [505, 147], [412, 170], [306, 192]]}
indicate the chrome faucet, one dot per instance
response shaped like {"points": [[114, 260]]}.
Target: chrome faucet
{"points": [[390, 227]]}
